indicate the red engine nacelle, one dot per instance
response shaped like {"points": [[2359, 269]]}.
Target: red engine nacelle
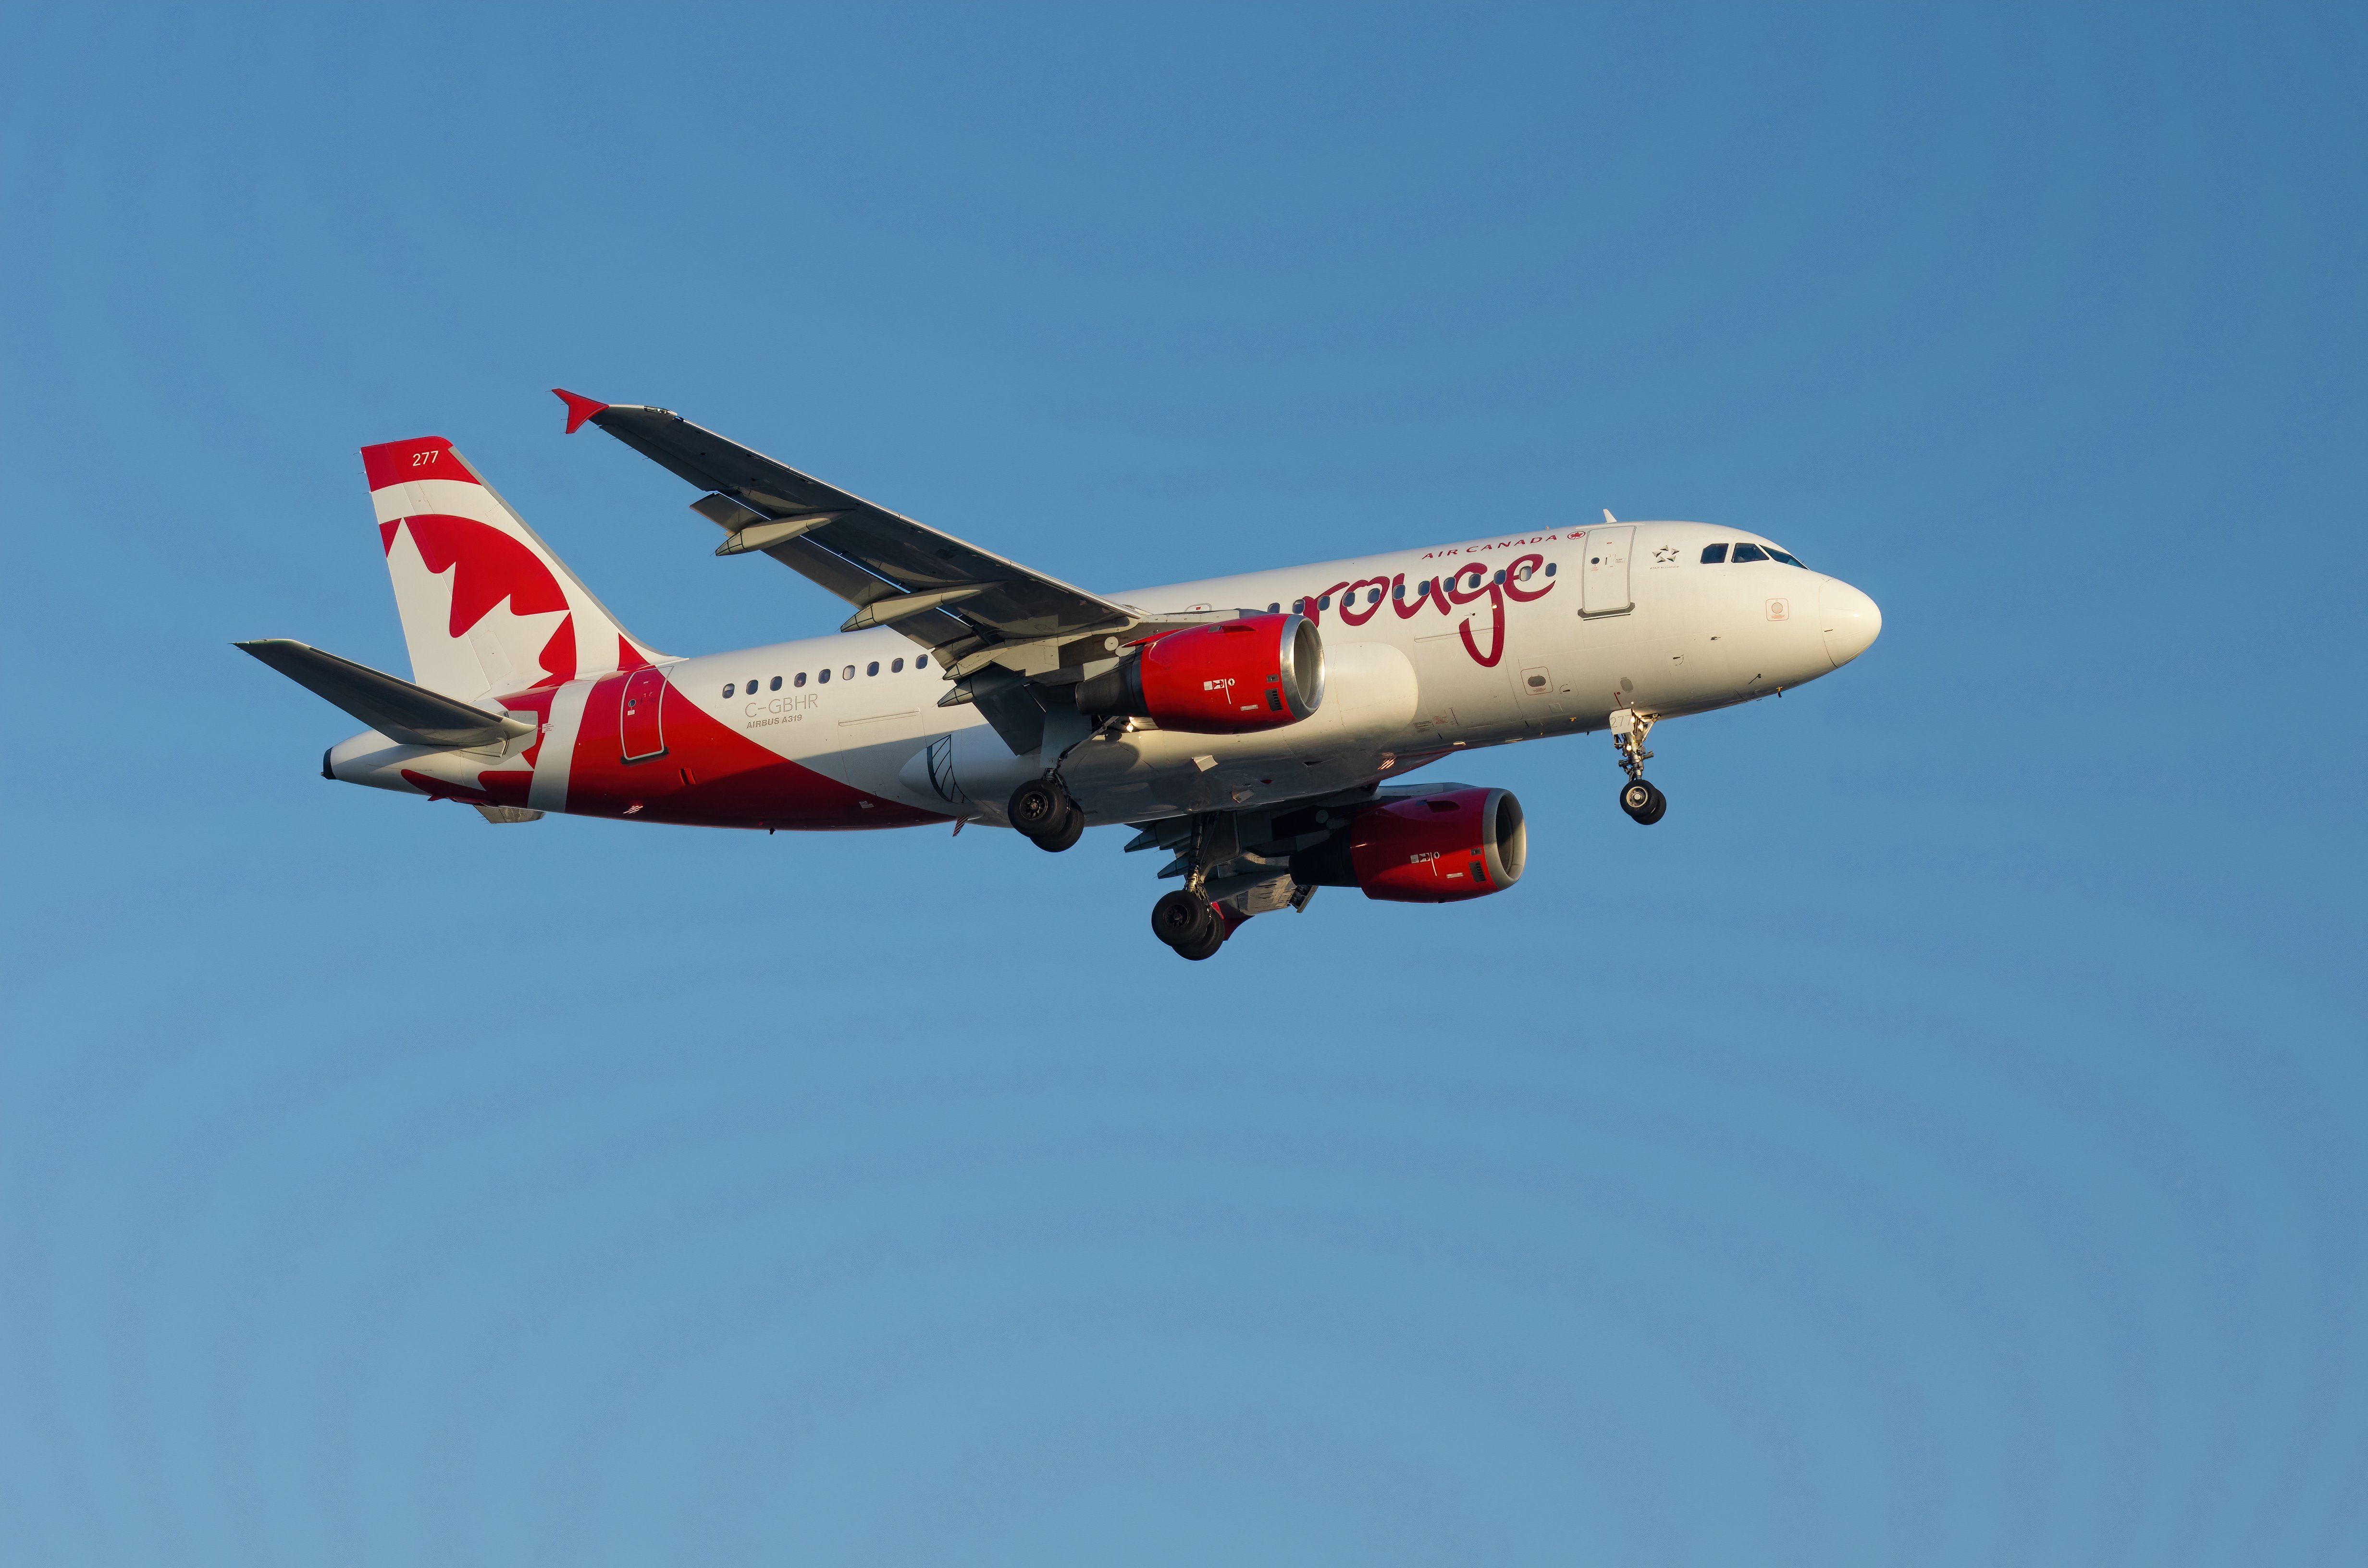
{"points": [[1257, 673], [1439, 848]]}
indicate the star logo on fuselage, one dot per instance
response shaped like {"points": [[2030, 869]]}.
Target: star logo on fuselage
{"points": [[1666, 554]]}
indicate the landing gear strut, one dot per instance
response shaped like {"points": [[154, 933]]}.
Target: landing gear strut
{"points": [[1642, 800], [1045, 815]]}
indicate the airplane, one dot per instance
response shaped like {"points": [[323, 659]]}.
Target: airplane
{"points": [[1253, 727]]}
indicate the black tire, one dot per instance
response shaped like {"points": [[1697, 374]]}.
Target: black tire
{"points": [[1039, 809], [1182, 919], [1072, 828], [1207, 947], [1636, 798], [1657, 810]]}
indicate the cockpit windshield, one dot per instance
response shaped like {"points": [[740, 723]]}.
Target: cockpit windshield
{"points": [[1713, 554]]}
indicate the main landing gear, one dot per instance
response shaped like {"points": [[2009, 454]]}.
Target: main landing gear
{"points": [[1187, 923], [1642, 800], [1045, 815], [1185, 919]]}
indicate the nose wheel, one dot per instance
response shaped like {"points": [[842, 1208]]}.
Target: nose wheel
{"points": [[1644, 801], [1641, 799], [1043, 813]]}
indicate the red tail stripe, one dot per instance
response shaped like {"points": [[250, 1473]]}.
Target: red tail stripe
{"points": [[423, 457]]}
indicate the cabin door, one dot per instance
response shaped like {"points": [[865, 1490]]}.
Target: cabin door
{"points": [[1603, 572], [637, 725]]}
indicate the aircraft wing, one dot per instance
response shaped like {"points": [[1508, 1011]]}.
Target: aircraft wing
{"points": [[964, 603]]}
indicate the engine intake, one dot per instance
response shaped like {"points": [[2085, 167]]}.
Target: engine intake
{"points": [[1439, 848], [1260, 672]]}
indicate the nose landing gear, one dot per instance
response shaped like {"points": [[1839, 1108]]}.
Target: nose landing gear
{"points": [[1044, 813], [1642, 800]]}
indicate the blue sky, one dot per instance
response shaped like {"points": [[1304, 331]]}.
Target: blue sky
{"points": [[1938, 1142]]}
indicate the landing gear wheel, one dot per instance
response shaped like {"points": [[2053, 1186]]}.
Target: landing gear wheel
{"points": [[1067, 835], [1207, 947], [1184, 920], [1042, 813], [1644, 801], [1037, 807]]}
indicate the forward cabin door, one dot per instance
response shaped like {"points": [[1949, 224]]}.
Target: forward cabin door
{"points": [[637, 725], [1603, 574]]}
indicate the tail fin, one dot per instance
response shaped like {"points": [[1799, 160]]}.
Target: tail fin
{"points": [[486, 606]]}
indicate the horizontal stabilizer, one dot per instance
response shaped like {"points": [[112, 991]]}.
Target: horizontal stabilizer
{"points": [[407, 714]]}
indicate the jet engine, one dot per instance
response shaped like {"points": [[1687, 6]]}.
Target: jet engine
{"points": [[1229, 678], [1439, 848]]}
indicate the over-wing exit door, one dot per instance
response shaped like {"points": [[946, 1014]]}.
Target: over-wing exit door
{"points": [[637, 726], [1603, 573]]}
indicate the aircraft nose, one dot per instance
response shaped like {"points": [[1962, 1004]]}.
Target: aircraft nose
{"points": [[1851, 619]]}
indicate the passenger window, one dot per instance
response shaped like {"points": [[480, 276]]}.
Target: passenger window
{"points": [[801, 680], [1324, 603], [1550, 568], [847, 673], [1372, 596], [1743, 552], [1274, 609], [872, 668], [922, 663], [822, 678], [1523, 575], [1713, 554], [1500, 579], [777, 684], [896, 668], [1422, 589], [727, 689], [1777, 554]]}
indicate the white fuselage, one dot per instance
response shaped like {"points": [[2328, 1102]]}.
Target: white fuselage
{"points": [[1539, 637]]}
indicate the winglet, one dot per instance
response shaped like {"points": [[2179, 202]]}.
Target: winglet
{"points": [[580, 409]]}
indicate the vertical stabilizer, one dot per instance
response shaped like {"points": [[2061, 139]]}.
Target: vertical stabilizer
{"points": [[486, 608]]}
